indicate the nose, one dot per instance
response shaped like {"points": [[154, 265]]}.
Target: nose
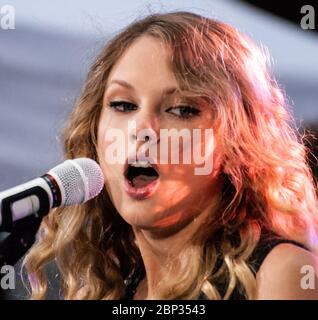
{"points": [[145, 127]]}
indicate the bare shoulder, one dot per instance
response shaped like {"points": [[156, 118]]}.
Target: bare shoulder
{"points": [[288, 272]]}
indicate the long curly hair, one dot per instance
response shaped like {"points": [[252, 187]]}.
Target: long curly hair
{"points": [[268, 184]]}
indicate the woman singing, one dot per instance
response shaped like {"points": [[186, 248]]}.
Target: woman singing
{"points": [[245, 228]]}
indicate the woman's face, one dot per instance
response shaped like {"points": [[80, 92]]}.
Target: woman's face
{"points": [[162, 195]]}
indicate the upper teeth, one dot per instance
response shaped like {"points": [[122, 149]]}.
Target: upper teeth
{"points": [[144, 164]]}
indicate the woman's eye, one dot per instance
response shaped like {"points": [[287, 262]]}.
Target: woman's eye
{"points": [[184, 112], [122, 106]]}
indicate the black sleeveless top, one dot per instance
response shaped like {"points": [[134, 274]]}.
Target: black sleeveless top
{"points": [[266, 243]]}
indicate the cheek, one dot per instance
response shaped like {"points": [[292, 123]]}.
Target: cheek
{"points": [[194, 183], [200, 149], [181, 187], [112, 141], [106, 142]]}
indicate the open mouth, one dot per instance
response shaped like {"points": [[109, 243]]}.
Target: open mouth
{"points": [[141, 179], [141, 176]]}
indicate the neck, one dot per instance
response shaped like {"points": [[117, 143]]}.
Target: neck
{"points": [[160, 253]]}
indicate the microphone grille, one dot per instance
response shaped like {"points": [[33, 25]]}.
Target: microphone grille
{"points": [[79, 179]]}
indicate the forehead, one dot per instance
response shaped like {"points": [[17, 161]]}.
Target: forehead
{"points": [[147, 62]]}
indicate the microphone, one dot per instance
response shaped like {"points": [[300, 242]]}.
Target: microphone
{"points": [[71, 182]]}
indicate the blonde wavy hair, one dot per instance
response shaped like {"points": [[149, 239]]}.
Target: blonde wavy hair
{"points": [[268, 184]]}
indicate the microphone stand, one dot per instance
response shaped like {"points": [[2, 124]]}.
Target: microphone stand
{"points": [[19, 241]]}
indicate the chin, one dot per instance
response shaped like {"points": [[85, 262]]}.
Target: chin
{"points": [[141, 214]]}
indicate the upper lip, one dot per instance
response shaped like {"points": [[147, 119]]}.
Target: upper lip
{"points": [[131, 159]]}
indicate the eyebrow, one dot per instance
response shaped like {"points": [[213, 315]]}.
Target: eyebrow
{"points": [[123, 83]]}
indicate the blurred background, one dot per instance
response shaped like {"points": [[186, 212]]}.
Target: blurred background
{"points": [[44, 61]]}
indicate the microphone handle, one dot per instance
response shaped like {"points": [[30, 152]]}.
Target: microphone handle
{"points": [[21, 211], [35, 197]]}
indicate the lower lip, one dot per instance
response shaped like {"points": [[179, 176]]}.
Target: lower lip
{"points": [[141, 193]]}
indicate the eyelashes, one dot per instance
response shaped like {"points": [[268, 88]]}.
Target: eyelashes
{"points": [[122, 106], [182, 111]]}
